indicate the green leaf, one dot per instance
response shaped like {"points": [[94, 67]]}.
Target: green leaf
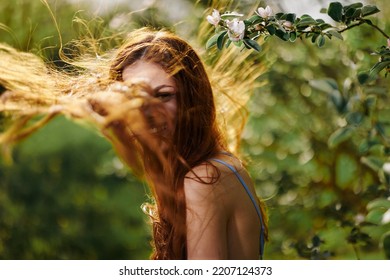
{"points": [[324, 26], [238, 43], [372, 162], [339, 136], [306, 21], [321, 41], [379, 127], [369, 104], [364, 146], [282, 35], [378, 203], [293, 36], [306, 16], [369, 146], [354, 118], [375, 216], [363, 77], [354, 6], [368, 21], [231, 16], [325, 85], [314, 38], [291, 17], [271, 29], [379, 66], [357, 13], [228, 43], [377, 90], [335, 33], [350, 12], [386, 244], [369, 10], [335, 11], [279, 15], [283, 17], [383, 51], [254, 18], [353, 11], [221, 40], [252, 44], [213, 40], [358, 237], [339, 101]]}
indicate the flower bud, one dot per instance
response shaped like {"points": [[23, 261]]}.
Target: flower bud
{"points": [[264, 13], [287, 25], [214, 18], [259, 27]]}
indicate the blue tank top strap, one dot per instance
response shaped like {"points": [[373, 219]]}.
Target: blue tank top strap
{"points": [[239, 177]]}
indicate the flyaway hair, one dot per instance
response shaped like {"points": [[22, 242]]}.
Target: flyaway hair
{"points": [[211, 110]]}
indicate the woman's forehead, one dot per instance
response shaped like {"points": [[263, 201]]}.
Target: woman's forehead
{"points": [[147, 72]]}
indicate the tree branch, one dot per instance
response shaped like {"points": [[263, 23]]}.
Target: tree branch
{"points": [[362, 22], [377, 28]]}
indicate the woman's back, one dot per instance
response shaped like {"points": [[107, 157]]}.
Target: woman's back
{"points": [[222, 221]]}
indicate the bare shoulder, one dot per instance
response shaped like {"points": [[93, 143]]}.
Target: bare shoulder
{"points": [[205, 172], [216, 181], [202, 182]]}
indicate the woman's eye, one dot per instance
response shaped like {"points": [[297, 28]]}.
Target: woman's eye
{"points": [[164, 96]]}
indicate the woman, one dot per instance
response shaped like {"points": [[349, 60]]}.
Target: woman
{"points": [[155, 103], [206, 206]]}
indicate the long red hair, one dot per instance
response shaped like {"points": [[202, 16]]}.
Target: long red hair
{"points": [[196, 136]]}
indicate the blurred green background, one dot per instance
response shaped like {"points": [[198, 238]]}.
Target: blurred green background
{"points": [[317, 152]]}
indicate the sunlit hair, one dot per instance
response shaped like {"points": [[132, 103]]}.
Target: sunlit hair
{"points": [[211, 111]]}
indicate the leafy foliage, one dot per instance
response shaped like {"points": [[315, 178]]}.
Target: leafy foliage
{"points": [[319, 144], [69, 197], [289, 27]]}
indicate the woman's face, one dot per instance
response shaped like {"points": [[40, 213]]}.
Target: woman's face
{"points": [[163, 87]]}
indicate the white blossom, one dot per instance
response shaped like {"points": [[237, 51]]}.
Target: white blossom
{"points": [[265, 13], [386, 217], [214, 18], [386, 167], [236, 30]]}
